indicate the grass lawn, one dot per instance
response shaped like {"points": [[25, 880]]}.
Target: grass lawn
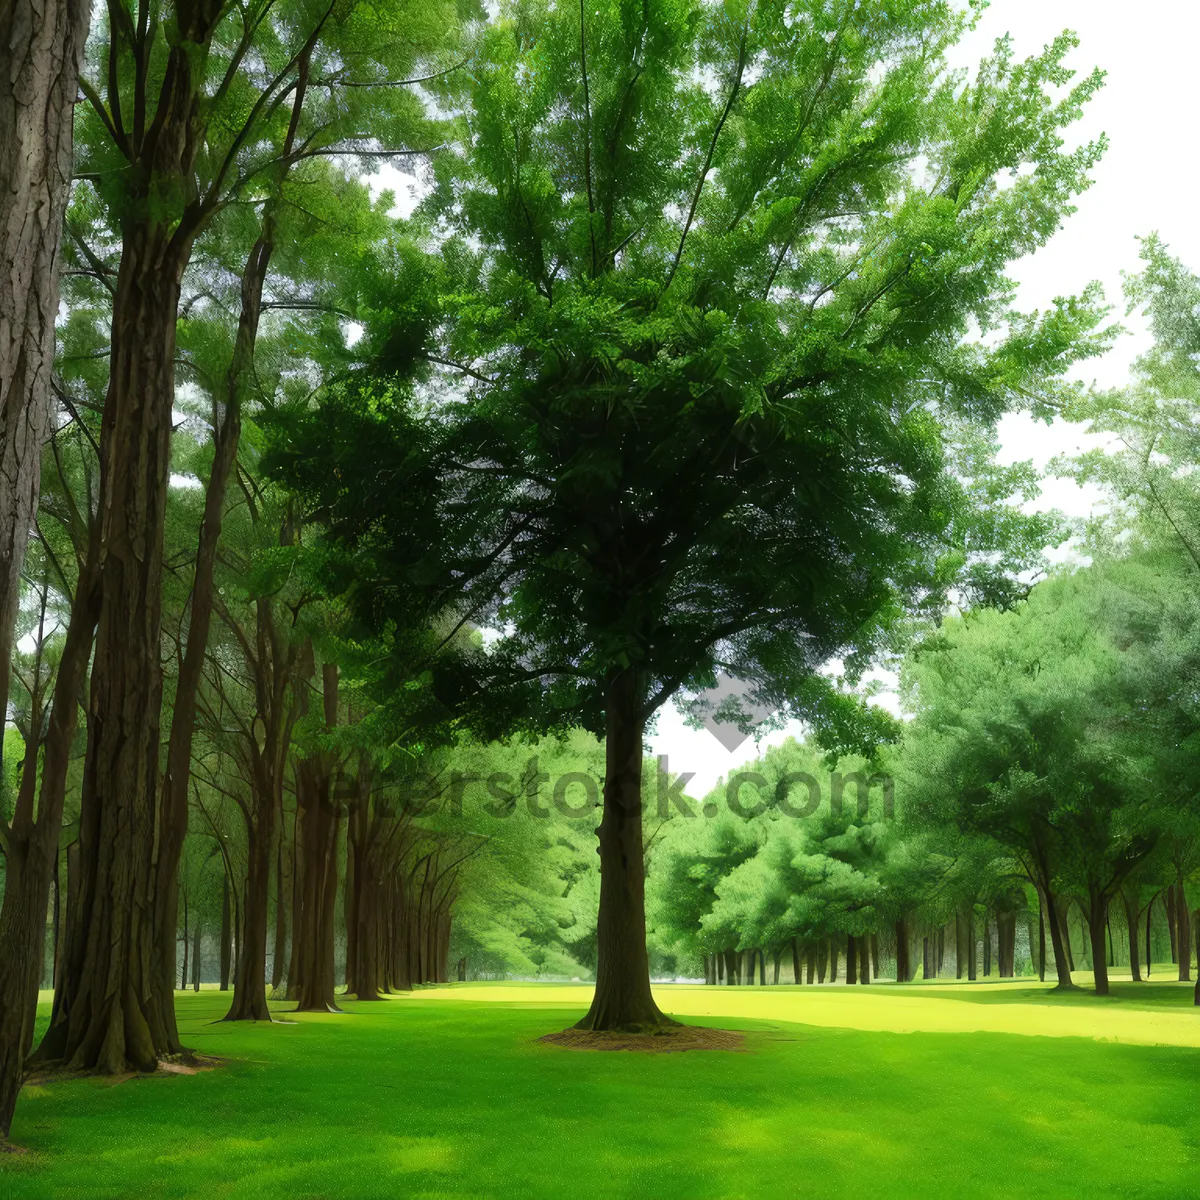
{"points": [[978, 1090]]}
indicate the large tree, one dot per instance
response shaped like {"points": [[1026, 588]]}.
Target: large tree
{"points": [[191, 111], [41, 45], [712, 283]]}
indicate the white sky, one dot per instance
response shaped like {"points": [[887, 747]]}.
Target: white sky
{"points": [[1145, 183]]}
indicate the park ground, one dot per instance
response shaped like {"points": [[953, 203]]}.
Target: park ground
{"points": [[984, 1089]]}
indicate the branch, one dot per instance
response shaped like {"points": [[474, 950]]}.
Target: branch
{"points": [[712, 149]]}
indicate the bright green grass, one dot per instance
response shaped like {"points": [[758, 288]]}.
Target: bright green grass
{"points": [[434, 1097]]}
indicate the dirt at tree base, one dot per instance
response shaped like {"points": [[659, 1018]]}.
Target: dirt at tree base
{"points": [[170, 1064], [669, 1040]]}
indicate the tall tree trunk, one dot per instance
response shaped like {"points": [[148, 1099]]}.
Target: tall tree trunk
{"points": [[1131, 925], [113, 1008], [280, 915], [31, 847], [851, 959], [972, 949], [41, 48], [183, 974], [623, 999], [196, 957], [1041, 939], [226, 931], [960, 945], [1183, 935], [250, 976], [903, 971], [1097, 921], [1149, 948], [1169, 903], [1062, 963], [796, 968], [810, 956]]}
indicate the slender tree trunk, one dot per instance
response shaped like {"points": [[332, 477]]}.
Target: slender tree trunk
{"points": [[810, 964], [1041, 939], [960, 945], [903, 971], [822, 959], [41, 48], [1062, 965], [623, 999], [226, 925], [1183, 936], [972, 950], [833, 959], [1169, 903], [183, 974], [1131, 925], [196, 957], [987, 944], [1097, 922], [250, 977], [280, 916], [796, 969], [851, 959], [31, 848], [1149, 949]]}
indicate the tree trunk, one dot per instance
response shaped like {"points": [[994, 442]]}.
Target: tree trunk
{"points": [[1062, 964], [1183, 935], [1041, 939], [183, 974], [1131, 925], [250, 977], [226, 927], [903, 971], [822, 959], [114, 1011], [810, 956], [797, 976], [196, 958], [1149, 919], [317, 820], [987, 944], [972, 949], [833, 959], [32, 847], [1169, 904], [960, 945], [1097, 921], [280, 917], [851, 959], [622, 999], [42, 45]]}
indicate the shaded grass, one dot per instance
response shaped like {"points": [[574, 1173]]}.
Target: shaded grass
{"points": [[440, 1095]]}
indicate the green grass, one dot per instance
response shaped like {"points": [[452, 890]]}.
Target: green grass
{"points": [[449, 1095]]}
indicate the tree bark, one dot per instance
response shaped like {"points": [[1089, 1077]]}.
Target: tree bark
{"points": [[623, 999], [41, 48], [1097, 922], [1062, 962], [903, 970], [1183, 935], [1131, 925], [226, 930], [851, 959]]}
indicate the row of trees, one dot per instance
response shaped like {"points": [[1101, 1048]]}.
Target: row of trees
{"points": [[689, 363]]}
